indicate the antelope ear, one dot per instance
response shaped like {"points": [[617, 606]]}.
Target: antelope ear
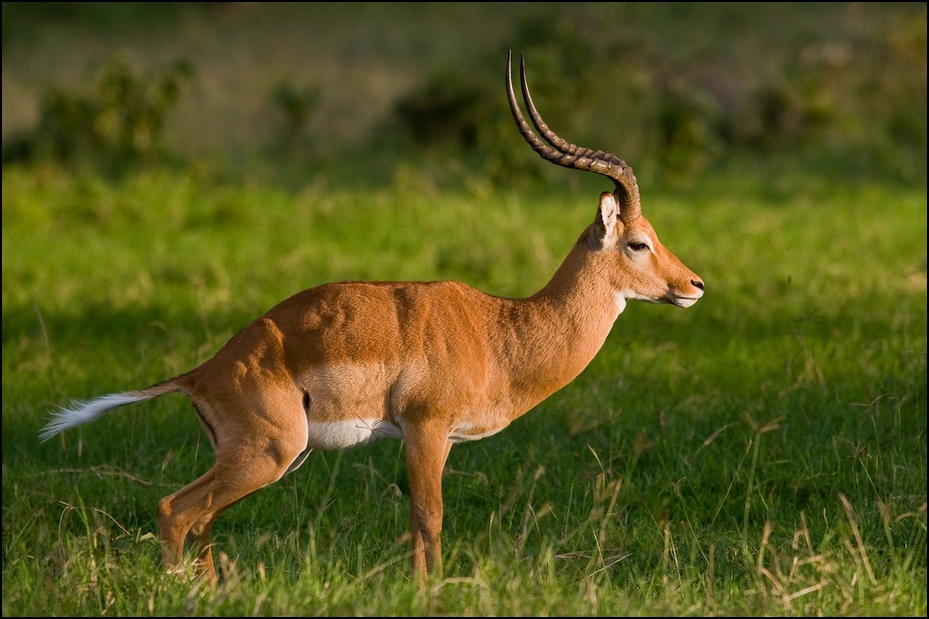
{"points": [[607, 225]]}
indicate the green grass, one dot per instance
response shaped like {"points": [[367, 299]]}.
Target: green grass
{"points": [[761, 453]]}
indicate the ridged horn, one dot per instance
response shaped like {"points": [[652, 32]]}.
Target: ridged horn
{"points": [[565, 154]]}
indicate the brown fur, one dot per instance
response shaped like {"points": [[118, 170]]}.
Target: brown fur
{"points": [[435, 363]]}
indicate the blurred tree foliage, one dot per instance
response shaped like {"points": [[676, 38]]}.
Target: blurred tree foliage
{"points": [[116, 120], [676, 88], [297, 105], [863, 94]]}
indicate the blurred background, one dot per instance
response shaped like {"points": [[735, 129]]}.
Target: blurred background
{"points": [[173, 170], [281, 92]]}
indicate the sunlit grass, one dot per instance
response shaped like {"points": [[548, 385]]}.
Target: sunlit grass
{"points": [[760, 453]]}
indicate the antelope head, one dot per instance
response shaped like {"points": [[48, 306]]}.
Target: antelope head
{"points": [[642, 267]]}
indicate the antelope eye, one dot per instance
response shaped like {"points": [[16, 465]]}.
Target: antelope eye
{"points": [[638, 246]]}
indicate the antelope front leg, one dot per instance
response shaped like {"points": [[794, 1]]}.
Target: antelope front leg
{"points": [[426, 452]]}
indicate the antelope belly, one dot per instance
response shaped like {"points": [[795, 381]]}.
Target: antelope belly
{"points": [[350, 433], [466, 431]]}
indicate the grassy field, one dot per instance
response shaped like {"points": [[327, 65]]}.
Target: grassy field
{"points": [[762, 453]]}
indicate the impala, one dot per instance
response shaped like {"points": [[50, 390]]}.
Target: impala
{"points": [[431, 363]]}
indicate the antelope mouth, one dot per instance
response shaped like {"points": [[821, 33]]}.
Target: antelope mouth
{"points": [[684, 301]]}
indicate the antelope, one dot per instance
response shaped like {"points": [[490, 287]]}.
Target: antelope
{"points": [[431, 363]]}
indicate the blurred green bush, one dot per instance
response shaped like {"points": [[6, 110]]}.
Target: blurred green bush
{"points": [[674, 88], [117, 119]]}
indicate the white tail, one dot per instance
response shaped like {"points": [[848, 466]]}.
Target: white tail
{"points": [[434, 364]]}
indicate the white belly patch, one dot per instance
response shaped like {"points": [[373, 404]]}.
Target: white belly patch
{"points": [[350, 433]]}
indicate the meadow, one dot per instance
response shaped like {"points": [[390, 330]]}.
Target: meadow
{"points": [[761, 453]]}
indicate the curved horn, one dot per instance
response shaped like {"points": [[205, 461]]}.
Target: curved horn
{"points": [[565, 154]]}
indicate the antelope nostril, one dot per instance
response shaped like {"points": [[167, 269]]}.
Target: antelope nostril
{"points": [[698, 283]]}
